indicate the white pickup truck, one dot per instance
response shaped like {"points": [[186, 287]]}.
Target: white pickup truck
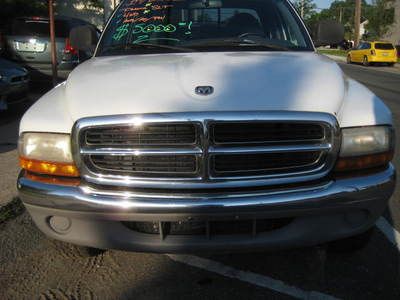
{"points": [[206, 126]]}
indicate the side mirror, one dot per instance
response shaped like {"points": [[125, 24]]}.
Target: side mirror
{"points": [[327, 33], [84, 38]]}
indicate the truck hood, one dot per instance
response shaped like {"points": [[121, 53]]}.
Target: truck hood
{"points": [[242, 81]]}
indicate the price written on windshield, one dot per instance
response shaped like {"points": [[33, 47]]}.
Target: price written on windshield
{"points": [[143, 11], [144, 17], [123, 30]]}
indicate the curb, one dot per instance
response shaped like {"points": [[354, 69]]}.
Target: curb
{"points": [[336, 58]]}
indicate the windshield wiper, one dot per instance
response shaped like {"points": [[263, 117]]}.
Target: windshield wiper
{"points": [[124, 47], [238, 42], [149, 45], [258, 43]]}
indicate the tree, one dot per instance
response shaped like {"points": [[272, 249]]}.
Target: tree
{"points": [[16, 8], [380, 16], [306, 8], [10, 9]]}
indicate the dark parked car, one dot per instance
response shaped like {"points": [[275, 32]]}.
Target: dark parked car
{"points": [[2, 43], [28, 42], [14, 85]]}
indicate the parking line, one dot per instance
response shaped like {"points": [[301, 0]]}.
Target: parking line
{"points": [[249, 277], [270, 283], [389, 231]]}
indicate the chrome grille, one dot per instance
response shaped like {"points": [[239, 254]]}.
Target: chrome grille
{"points": [[265, 132], [146, 165], [150, 135], [206, 150], [262, 164]]}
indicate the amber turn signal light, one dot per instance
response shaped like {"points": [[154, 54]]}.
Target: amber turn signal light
{"points": [[49, 168], [66, 181], [363, 162]]}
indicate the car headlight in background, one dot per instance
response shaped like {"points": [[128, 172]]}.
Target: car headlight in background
{"points": [[365, 147], [47, 153]]}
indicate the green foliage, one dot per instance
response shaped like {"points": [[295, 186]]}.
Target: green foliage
{"points": [[16, 8], [343, 12], [10, 9], [93, 3], [97, 3], [308, 8], [380, 15]]}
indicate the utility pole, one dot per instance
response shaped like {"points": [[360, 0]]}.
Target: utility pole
{"points": [[357, 20], [53, 43], [340, 15], [302, 9]]}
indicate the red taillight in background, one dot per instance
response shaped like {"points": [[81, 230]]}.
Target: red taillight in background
{"points": [[68, 48]]}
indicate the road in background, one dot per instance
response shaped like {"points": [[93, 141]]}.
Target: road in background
{"points": [[32, 266]]}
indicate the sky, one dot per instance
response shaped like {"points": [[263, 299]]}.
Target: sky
{"points": [[323, 3], [327, 3]]}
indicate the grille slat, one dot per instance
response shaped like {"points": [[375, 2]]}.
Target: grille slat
{"points": [[146, 163], [140, 165], [142, 136], [259, 133], [256, 164]]}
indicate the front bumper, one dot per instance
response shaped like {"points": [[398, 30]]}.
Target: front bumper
{"points": [[321, 213]]}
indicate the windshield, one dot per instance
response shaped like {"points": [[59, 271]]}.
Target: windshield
{"points": [[151, 26]]}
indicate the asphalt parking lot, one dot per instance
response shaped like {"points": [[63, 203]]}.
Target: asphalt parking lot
{"points": [[31, 266]]}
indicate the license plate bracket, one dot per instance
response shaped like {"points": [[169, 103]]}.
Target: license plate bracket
{"points": [[30, 47]]}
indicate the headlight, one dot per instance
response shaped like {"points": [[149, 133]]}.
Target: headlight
{"points": [[365, 140], [365, 147], [47, 153]]}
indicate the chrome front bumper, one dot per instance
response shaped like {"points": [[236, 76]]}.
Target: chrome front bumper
{"points": [[335, 209]]}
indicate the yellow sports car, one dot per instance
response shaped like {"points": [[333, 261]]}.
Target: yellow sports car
{"points": [[368, 53]]}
